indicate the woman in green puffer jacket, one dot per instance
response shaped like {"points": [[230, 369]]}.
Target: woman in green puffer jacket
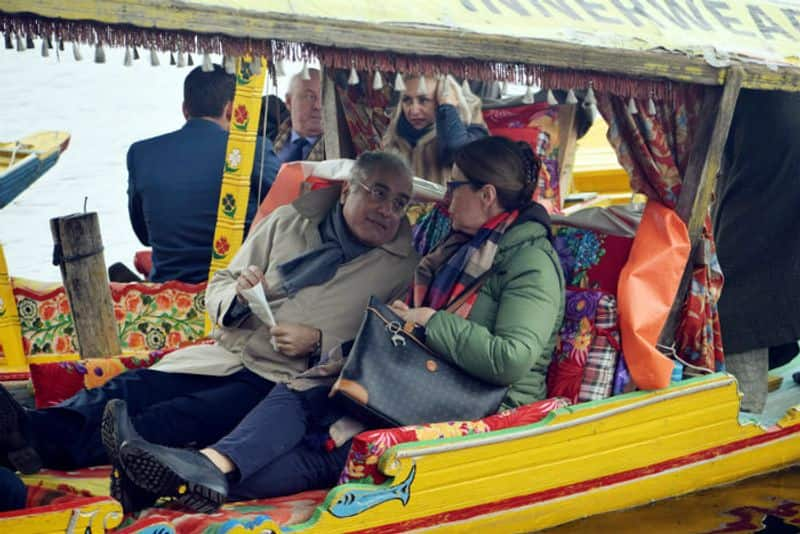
{"points": [[505, 332]]}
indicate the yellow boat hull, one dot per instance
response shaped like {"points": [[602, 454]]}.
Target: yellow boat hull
{"points": [[584, 460], [89, 515]]}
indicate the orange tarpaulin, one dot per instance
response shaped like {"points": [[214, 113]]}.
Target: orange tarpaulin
{"points": [[647, 287]]}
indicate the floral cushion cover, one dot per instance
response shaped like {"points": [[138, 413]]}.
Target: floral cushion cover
{"points": [[149, 316], [367, 447], [591, 259], [584, 361]]}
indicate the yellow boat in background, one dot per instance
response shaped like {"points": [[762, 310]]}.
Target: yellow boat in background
{"points": [[24, 161], [598, 180]]}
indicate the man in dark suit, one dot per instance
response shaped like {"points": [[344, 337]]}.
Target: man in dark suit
{"points": [[174, 180], [300, 136]]}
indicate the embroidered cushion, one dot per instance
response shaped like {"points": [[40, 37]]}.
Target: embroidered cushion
{"points": [[57, 381], [585, 359], [591, 259]]}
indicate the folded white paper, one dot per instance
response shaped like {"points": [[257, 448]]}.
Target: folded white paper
{"points": [[257, 300], [258, 304]]}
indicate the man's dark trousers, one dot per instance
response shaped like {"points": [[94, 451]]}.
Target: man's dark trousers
{"points": [[173, 409]]}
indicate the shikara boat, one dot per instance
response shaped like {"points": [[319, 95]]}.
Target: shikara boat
{"points": [[679, 59], [24, 161]]}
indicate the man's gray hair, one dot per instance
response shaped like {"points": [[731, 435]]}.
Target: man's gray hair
{"points": [[382, 163], [295, 80]]}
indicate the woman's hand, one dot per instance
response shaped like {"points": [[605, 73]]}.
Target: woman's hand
{"points": [[446, 92], [294, 339], [250, 277], [420, 316]]}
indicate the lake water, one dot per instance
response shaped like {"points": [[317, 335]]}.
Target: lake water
{"points": [[106, 107], [769, 503]]}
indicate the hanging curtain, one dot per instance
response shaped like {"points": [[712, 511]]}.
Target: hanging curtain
{"points": [[698, 339], [654, 149], [365, 114]]}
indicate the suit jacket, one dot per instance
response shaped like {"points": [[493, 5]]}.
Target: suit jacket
{"points": [[174, 182], [317, 152]]}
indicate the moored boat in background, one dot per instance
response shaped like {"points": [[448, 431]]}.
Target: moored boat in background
{"points": [[24, 161]]}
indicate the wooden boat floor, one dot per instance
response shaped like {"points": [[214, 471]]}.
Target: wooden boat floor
{"points": [[780, 400]]}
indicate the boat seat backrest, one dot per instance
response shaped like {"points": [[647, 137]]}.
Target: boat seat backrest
{"points": [[149, 316]]}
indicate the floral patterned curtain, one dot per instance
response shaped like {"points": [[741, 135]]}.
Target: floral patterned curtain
{"points": [[365, 114], [653, 141]]}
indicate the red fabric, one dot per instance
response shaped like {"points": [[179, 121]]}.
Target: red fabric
{"points": [[149, 316], [654, 149], [513, 117], [365, 115], [591, 259], [243, 516], [536, 124], [40, 495], [55, 382], [143, 262]]}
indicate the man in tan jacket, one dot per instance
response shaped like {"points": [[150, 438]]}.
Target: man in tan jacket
{"points": [[318, 259]]}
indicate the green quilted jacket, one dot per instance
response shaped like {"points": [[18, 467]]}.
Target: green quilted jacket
{"points": [[511, 330]]}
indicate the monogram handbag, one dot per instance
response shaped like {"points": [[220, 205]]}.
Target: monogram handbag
{"points": [[391, 378]]}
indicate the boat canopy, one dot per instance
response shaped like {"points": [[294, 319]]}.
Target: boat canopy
{"points": [[552, 42]]}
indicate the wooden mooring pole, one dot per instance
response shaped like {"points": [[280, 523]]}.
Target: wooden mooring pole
{"points": [[79, 253]]}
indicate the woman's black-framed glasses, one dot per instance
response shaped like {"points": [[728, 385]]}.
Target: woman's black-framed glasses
{"points": [[380, 194], [452, 185]]}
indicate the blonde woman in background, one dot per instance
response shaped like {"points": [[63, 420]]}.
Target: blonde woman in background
{"points": [[432, 121]]}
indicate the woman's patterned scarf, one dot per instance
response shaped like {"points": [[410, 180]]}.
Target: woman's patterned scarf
{"points": [[453, 267]]}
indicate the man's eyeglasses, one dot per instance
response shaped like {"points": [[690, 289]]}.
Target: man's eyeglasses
{"points": [[311, 98], [381, 194]]}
